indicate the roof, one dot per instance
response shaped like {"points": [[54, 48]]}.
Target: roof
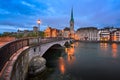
{"points": [[86, 28], [66, 29]]}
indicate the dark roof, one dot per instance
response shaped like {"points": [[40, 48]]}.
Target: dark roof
{"points": [[86, 28], [66, 29], [35, 27]]}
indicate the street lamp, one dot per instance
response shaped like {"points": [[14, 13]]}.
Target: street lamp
{"points": [[38, 22]]}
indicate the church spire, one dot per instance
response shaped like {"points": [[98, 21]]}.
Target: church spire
{"points": [[72, 19], [72, 22]]}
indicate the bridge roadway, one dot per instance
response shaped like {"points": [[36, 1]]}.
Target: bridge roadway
{"points": [[16, 56]]}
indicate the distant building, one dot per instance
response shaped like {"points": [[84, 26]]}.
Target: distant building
{"points": [[55, 32], [52, 32], [35, 29], [72, 32], [72, 23], [109, 34], [26, 33], [87, 33], [48, 32], [103, 35], [116, 35], [66, 32]]}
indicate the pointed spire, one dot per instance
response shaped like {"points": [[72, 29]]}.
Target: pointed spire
{"points": [[72, 19]]}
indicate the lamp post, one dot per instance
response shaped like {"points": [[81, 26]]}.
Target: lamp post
{"points": [[38, 22]]}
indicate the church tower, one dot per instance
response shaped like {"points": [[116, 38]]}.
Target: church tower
{"points": [[72, 23]]}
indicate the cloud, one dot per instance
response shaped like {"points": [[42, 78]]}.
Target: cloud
{"points": [[7, 28], [25, 13], [2, 11], [28, 4]]}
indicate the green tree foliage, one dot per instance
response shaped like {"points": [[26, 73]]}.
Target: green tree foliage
{"points": [[0, 35], [6, 34], [23, 35], [41, 34], [32, 34]]}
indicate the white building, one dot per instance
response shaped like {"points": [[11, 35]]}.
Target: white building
{"points": [[109, 34], [87, 33], [103, 35]]}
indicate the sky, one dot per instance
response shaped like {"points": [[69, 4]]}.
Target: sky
{"points": [[23, 14]]}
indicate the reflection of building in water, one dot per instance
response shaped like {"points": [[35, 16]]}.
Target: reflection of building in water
{"points": [[62, 65], [70, 54], [76, 44], [104, 46], [114, 50]]}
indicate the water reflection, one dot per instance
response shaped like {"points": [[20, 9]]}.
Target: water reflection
{"points": [[76, 44], [114, 50], [70, 54], [104, 46], [62, 65], [70, 58], [97, 61]]}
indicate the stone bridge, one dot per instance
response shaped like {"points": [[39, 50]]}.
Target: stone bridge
{"points": [[41, 49], [16, 56]]}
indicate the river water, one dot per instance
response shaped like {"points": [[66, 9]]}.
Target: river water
{"points": [[83, 61]]}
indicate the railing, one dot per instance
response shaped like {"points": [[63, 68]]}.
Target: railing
{"points": [[39, 41], [9, 49]]}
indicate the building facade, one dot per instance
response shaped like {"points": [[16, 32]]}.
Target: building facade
{"points": [[116, 35], [87, 33], [35, 29], [103, 35], [109, 34], [52, 32], [48, 32], [66, 32]]}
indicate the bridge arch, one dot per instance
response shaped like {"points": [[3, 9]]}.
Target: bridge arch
{"points": [[45, 47], [51, 50]]}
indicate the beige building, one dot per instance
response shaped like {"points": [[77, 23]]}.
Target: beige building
{"points": [[48, 32], [87, 33], [66, 32], [52, 32], [116, 35]]}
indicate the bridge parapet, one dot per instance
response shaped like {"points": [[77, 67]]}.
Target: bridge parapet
{"points": [[38, 41], [11, 48]]}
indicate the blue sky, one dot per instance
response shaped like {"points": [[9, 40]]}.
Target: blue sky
{"points": [[23, 14]]}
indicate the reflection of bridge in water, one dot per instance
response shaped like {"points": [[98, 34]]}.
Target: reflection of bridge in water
{"points": [[15, 56]]}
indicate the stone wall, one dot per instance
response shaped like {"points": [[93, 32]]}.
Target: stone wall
{"points": [[17, 66], [20, 67]]}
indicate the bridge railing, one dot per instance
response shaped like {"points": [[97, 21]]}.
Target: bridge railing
{"points": [[9, 49], [39, 41]]}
